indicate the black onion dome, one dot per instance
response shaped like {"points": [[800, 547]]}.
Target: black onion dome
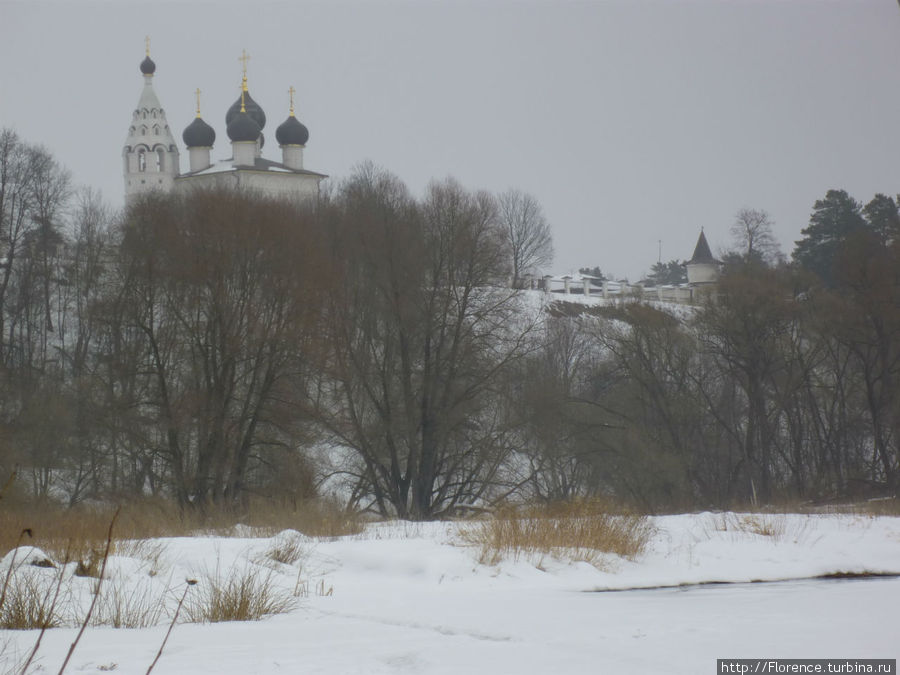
{"points": [[252, 108], [243, 128], [147, 66], [292, 132], [199, 134]]}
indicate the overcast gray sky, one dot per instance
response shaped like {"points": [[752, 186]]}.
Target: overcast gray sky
{"points": [[631, 121]]}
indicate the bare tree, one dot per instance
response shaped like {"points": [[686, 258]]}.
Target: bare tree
{"points": [[867, 321], [17, 207], [658, 455], [556, 424], [77, 328], [753, 238], [221, 288], [34, 192], [421, 339], [527, 233], [745, 332]]}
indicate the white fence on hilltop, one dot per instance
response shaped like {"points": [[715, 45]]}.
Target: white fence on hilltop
{"points": [[599, 288]]}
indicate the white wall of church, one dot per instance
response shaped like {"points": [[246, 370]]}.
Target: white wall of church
{"points": [[293, 186]]}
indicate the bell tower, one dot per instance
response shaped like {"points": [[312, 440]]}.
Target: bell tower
{"points": [[150, 156]]}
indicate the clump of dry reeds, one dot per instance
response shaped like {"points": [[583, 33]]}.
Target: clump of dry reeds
{"points": [[31, 601], [779, 527], [81, 530], [242, 593], [288, 549], [576, 531], [315, 518], [886, 506], [130, 605], [763, 525]]}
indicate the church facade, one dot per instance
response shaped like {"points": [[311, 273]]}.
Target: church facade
{"points": [[151, 159]]}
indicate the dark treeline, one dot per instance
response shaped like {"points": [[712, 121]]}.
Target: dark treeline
{"points": [[781, 384], [220, 345], [212, 347]]}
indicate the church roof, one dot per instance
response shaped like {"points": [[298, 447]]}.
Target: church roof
{"points": [[702, 254], [260, 164], [148, 100]]}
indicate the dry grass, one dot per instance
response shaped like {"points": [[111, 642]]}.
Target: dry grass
{"points": [[47, 600], [780, 527], [760, 524], [246, 593], [314, 518], [320, 588], [81, 530], [150, 551], [872, 506], [32, 601], [288, 550], [125, 605], [80, 534], [89, 565], [578, 531], [888, 506]]}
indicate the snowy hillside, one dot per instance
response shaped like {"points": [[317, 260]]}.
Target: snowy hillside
{"points": [[413, 598]]}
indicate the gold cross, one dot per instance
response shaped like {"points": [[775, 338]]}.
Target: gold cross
{"points": [[243, 59], [292, 91], [198, 101], [147, 43]]}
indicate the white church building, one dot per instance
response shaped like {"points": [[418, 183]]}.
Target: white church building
{"points": [[151, 160]]}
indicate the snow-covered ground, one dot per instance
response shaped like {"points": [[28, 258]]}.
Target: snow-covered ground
{"points": [[411, 598]]}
